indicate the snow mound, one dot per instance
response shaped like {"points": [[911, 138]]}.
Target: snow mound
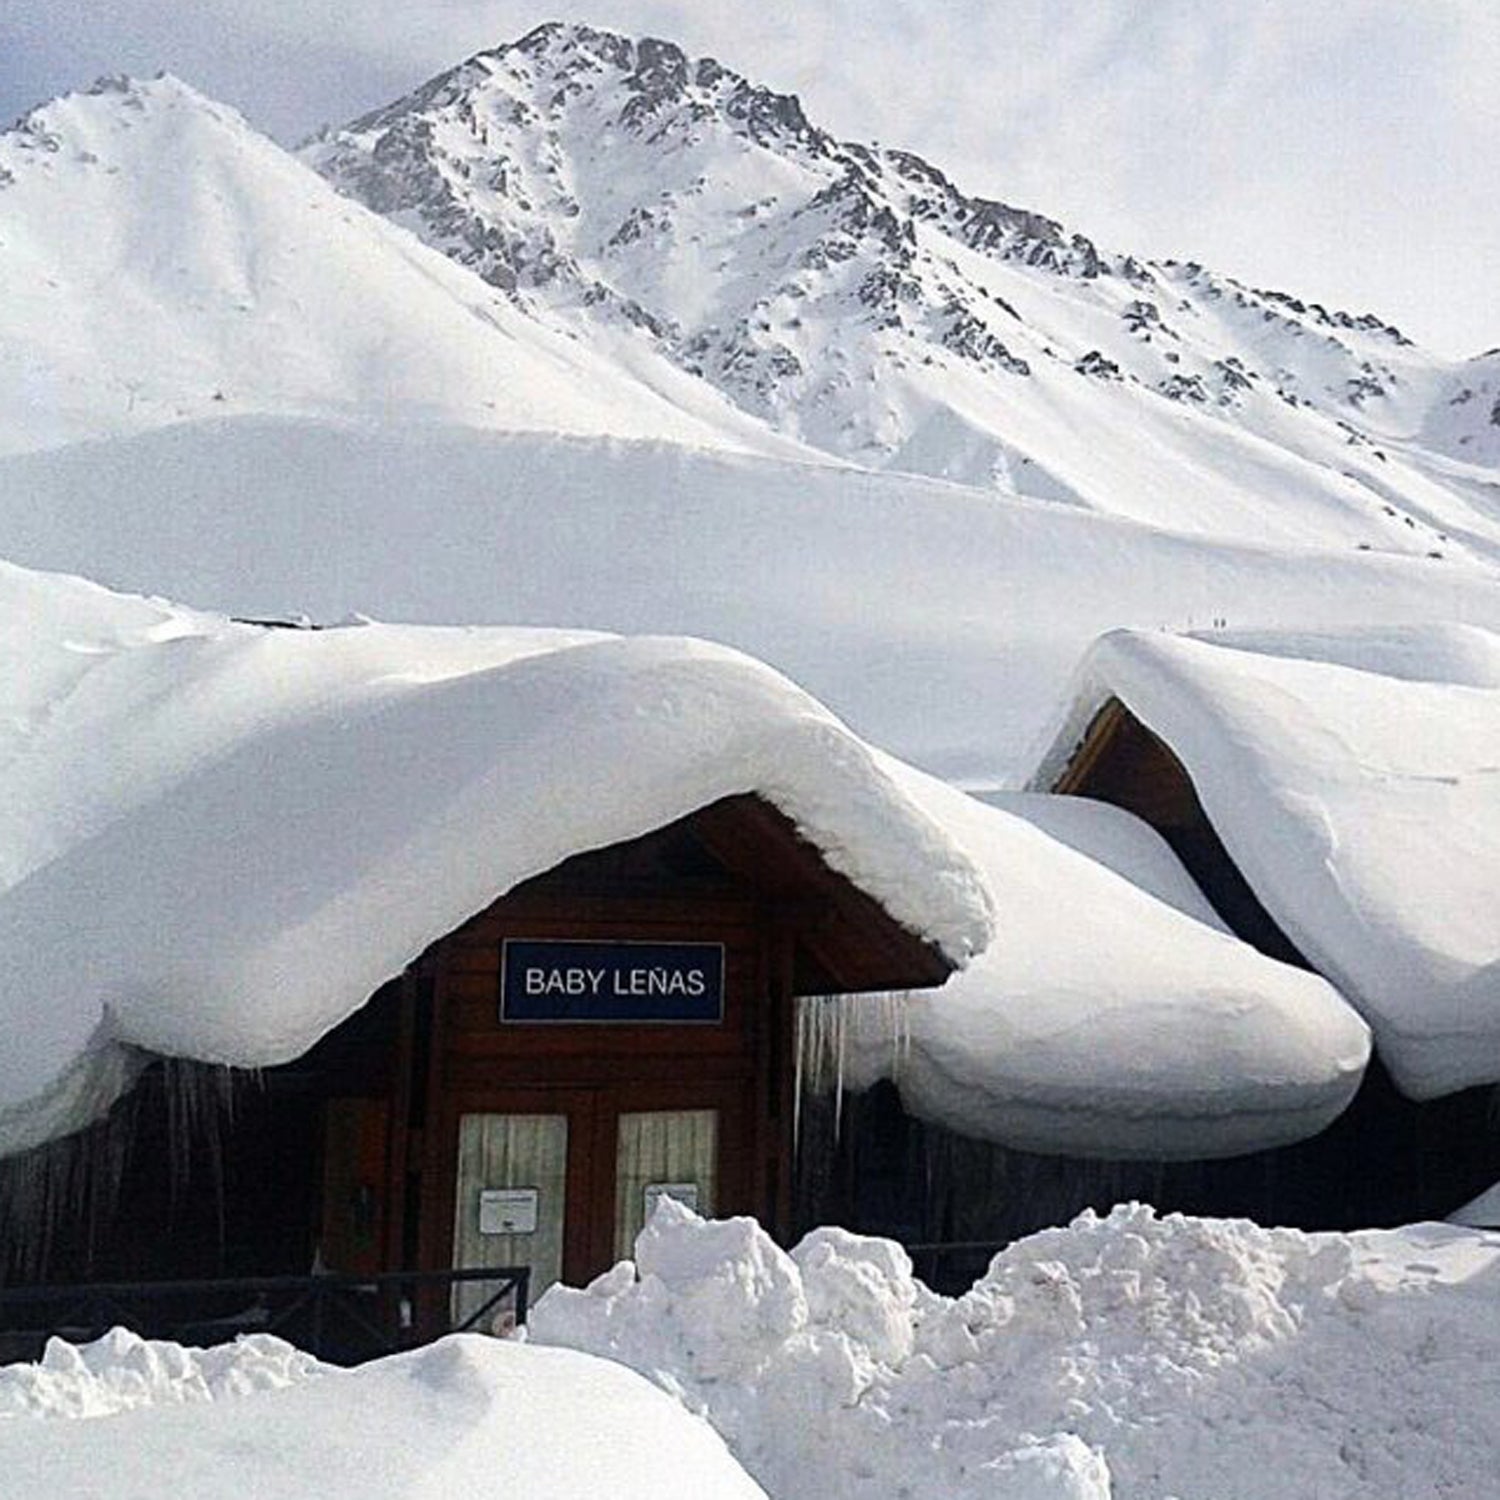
{"points": [[265, 825], [1125, 1358], [122, 1371], [1354, 778], [467, 1416]]}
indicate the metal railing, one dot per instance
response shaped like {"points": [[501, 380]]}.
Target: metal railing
{"points": [[345, 1319]]}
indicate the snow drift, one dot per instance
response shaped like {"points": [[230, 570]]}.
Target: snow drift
{"points": [[467, 1416], [939, 622]]}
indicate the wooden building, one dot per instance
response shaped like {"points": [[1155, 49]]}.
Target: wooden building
{"points": [[615, 1029]]}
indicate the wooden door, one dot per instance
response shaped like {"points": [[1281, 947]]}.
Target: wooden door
{"points": [[603, 1155]]}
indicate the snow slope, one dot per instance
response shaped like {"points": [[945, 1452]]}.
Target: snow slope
{"points": [[1354, 778], [468, 1416], [161, 260], [263, 826], [942, 623], [1124, 1358], [858, 300]]}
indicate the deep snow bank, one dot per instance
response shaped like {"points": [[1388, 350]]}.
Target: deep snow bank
{"points": [[1125, 1358], [469, 1416]]}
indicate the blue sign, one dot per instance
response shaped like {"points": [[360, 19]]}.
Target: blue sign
{"points": [[577, 982]]}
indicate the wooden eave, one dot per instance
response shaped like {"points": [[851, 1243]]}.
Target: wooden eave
{"points": [[853, 943], [1120, 760]]}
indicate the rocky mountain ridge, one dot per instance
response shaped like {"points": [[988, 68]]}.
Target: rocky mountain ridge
{"points": [[858, 300]]}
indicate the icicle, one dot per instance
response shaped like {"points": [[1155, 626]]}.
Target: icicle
{"points": [[829, 1026], [71, 1187], [839, 1015]]}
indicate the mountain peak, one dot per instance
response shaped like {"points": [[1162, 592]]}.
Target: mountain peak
{"points": [[163, 261]]}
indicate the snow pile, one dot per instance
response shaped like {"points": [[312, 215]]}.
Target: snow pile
{"points": [[1354, 778], [262, 826], [1125, 1358], [468, 1416], [123, 1371]]}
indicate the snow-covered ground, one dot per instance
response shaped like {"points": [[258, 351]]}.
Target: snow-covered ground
{"points": [[1130, 1357], [468, 1418]]}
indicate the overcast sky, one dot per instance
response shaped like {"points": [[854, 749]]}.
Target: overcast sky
{"points": [[1344, 150]]}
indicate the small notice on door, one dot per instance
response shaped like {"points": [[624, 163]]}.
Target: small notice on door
{"points": [[685, 1193], [508, 1210]]}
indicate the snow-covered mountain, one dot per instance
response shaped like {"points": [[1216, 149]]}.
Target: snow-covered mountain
{"points": [[856, 299], [161, 260]]}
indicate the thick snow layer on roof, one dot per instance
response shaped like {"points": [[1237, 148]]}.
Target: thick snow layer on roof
{"points": [[217, 840], [1354, 778], [468, 1416], [1116, 1017], [1130, 1356]]}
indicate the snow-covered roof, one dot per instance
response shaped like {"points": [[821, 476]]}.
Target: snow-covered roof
{"points": [[1116, 1017], [217, 840], [1354, 779]]}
